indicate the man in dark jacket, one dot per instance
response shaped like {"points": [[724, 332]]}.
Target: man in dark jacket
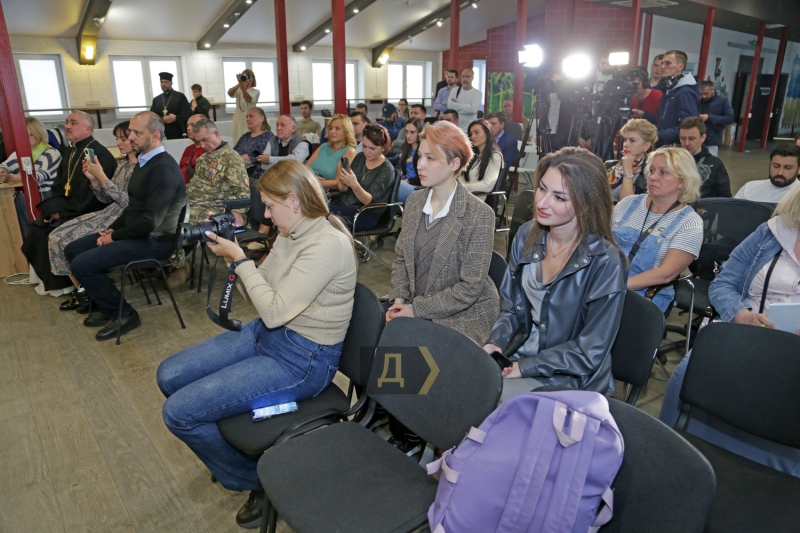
{"points": [[145, 230], [717, 112], [716, 183], [508, 146], [681, 97]]}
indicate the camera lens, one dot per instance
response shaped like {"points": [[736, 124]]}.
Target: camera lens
{"points": [[196, 232]]}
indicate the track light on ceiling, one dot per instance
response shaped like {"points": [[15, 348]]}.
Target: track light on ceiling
{"points": [[303, 48], [207, 45], [327, 30], [226, 25], [98, 21], [475, 5], [248, 1], [355, 10], [440, 22]]}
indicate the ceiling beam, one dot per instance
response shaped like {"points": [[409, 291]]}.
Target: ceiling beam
{"points": [[422, 25], [350, 11], [225, 22], [93, 18]]}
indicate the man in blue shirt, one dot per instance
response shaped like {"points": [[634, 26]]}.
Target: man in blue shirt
{"points": [[443, 96], [391, 121], [717, 112], [508, 146]]}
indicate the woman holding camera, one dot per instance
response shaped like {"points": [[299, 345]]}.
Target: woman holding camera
{"points": [[326, 162], [484, 169], [627, 177], [563, 292], [252, 144], [303, 293], [246, 96], [369, 179]]}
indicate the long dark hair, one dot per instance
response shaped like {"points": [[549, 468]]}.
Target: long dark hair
{"points": [[407, 147], [584, 175], [488, 150]]}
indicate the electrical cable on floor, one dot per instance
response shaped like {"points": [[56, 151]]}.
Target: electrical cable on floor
{"points": [[25, 281]]}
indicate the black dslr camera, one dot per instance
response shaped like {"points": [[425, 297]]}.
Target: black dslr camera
{"points": [[244, 77], [223, 224]]}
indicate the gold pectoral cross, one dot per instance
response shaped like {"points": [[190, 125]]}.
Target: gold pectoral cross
{"points": [[67, 188], [165, 111]]}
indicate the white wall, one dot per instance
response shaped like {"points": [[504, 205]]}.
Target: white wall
{"points": [[88, 83]]}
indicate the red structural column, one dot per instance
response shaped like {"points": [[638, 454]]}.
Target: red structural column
{"points": [[283, 57], [648, 31], [706, 46], [748, 104], [339, 57], [519, 70], [636, 8], [11, 98], [455, 29], [774, 88]]}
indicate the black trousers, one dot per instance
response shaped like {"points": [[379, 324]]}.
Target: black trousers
{"points": [[89, 264], [366, 220], [36, 250]]}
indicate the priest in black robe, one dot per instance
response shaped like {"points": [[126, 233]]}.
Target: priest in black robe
{"points": [[173, 108], [72, 196]]}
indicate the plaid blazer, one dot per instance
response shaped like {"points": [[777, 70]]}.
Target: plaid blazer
{"points": [[459, 294]]}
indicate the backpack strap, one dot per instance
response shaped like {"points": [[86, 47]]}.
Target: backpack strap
{"points": [[604, 514]]}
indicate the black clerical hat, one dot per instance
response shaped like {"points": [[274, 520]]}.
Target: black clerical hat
{"points": [[165, 76]]}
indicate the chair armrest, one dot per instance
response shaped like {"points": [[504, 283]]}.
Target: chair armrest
{"points": [[303, 430], [651, 292], [380, 205]]}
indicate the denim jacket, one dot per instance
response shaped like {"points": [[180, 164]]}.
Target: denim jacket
{"points": [[729, 289], [579, 318]]}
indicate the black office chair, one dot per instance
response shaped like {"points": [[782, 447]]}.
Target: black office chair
{"points": [[346, 478], [664, 484], [640, 333], [366, 325], [747, 377], [523, 212], [499, 193], [726, 223], [386, 222], [133, 267], [497, 269]]}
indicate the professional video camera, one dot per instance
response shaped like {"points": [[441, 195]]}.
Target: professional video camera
{"points": [[222, 224]]}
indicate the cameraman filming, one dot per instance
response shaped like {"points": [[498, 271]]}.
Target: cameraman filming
{"points": [[303, 293], [644, 104], [246, 96]]}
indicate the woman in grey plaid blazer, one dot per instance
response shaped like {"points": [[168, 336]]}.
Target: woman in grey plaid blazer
{"points": [[441, 272]]}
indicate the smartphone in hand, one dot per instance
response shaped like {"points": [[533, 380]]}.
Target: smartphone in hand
{"points": [[89, 153], [345, 163], [501, 360]]}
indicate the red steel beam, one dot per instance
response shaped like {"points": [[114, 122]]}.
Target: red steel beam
{"points": [[519, 70], [339, 57], [648, 31], [283, 57], [748, 104], [636, 8], [706, 46], [774, 88], [11, 98], [455, 29]]}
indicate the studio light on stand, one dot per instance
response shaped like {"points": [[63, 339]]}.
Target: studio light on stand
{"points": [[577, 66], [618, 59], [532, 56]]}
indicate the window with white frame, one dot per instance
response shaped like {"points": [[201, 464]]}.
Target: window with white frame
{"points": [[266, 76], [406, 80], [41, 78], [136, 81], [479, 80], [322, 81]]}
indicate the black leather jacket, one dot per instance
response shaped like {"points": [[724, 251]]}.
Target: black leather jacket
{"points": [[579, 318]]}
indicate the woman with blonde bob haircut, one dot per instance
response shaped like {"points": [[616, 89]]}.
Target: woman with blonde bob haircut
{"points": [[638, 138], [659, 231], [246, 96], [326, 162], [303, 293]]}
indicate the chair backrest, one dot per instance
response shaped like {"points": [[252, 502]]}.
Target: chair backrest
{"points": [[389, 215], [497, 269], [726, 223], [362, 335], [179, 231], [664, 482], [523, 212], [640, 333], [499, 186], [434, 380], [746, 377]]}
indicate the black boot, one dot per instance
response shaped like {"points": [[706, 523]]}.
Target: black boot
{"points": [[79, 297], [250, 515]]}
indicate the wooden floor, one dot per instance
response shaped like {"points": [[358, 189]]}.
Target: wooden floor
{"points": [[83, 446]]}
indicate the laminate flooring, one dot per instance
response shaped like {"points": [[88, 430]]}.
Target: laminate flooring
{"points": [[83, 447]]}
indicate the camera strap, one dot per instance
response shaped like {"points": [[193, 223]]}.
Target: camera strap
{"points": [[225, 300]]}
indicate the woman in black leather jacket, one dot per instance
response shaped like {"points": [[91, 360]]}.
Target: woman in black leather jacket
{"points": [[563, 292]]}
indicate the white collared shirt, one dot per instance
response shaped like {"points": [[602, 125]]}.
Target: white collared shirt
{"points": [[428, 209], [144, 158]]}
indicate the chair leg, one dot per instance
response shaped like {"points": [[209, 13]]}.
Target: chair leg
{"points": [[171, 296], [122, 299], [202, 257], [141, 283], [269, 517], [155, 292]]}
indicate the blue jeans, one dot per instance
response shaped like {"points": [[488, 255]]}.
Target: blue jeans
{"points": [[233, 373], [404, 192], [724, 435]]}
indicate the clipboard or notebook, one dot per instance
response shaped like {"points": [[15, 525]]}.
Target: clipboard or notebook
{"points": [[785, 316]]}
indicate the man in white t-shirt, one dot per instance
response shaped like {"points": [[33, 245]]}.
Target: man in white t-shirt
{"points": [[466, 100], [784, 167]]}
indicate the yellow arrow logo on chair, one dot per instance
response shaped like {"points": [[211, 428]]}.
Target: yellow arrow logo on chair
{"points": [[434, 370]]}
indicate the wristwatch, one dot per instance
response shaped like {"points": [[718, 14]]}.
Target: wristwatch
{"points": [[630, 175]]}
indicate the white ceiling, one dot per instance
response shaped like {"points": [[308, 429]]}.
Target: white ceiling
{"points": [[188, 20]]}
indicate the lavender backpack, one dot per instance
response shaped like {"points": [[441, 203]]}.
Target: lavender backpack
{"points": [[541, 462]]}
